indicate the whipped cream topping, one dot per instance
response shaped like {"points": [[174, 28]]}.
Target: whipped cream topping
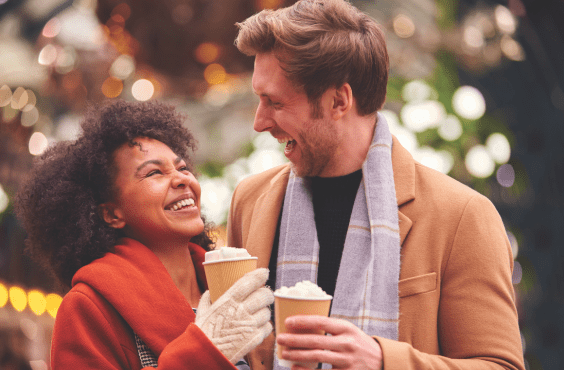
{"points": [[225, 253], [303, 289]]}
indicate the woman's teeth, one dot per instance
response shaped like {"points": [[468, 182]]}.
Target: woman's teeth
{"points": [[183, 203]]}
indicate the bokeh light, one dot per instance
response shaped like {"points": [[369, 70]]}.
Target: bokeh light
{"points": [[18, 298], [505, 21], [478, 162], [38, 143], [47, 55], [514, 244], [517, 273], [215, 74], [143, 90], [403, 26], [3, 295], [216, 195], [30, 117], [52, 28], [421, 116], [450, 128], [53, 301], [207, 53], [122, 67], [468, 102], [112, 87], [417, 90], [5, 95], [31, 101], [4, 200], [439, 160], [66, 60], [512, 49], [19, 98], [473, 37], [505, 175], [37, 302], [499, 147]]}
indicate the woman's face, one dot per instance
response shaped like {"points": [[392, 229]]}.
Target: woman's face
{"points": [[158, 199]]}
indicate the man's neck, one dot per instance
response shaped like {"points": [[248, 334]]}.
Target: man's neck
{"points": [[356, 136]]}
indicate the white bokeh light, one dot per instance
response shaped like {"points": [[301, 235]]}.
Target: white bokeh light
{"points": [[264, 159], [4, 200], [421, 116], [499, 147], [215, 199], [142, 90], [514, 244], [38, 143], [468, 102], [478, 162], [406, 138], [122, 67], [505, 21], [439, 160], [450, 128], [391, 118], [417, 90]]}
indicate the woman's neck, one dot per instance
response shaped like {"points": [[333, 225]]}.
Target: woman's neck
{"points": [[179, 264]]}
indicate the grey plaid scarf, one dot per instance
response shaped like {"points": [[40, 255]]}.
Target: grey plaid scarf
{"points": [[366, 293]]}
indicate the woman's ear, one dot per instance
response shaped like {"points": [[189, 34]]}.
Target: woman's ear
{"points": [[342, 101], [112, 215]]}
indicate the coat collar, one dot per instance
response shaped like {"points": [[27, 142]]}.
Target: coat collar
{"points": [[268, 206]]}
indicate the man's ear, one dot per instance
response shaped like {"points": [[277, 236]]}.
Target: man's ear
{"points": [[112, 215], [342, 101]]}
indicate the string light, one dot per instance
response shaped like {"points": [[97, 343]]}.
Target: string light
{"points": [[403, 26], [468, 102], [37, 301], [143, 90], [38, 143]]}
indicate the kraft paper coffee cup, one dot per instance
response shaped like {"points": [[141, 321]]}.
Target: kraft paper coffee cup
{"points": [[222, 274], [285, 306]]}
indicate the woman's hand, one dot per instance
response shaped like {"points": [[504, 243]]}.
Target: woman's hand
{"points": [[240, 319]]}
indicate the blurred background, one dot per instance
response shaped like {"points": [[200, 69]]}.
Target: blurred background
{"points": [[476, 91]]}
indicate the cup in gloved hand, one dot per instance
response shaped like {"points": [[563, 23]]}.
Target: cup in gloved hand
{"points": [[238, 320]]}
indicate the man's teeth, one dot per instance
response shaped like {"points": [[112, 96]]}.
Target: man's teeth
{"points": [[284, 140], [183, 203]]}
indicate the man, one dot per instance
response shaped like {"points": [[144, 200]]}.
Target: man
{"points": [[418, 264]]}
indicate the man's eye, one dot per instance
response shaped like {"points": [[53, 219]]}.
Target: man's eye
{"points": [[183, 168]]}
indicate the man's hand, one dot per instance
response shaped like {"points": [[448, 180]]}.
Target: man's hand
{"points": [[346, 348]]}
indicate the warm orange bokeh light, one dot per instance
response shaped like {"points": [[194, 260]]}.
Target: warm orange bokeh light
{"points": [[112, 87], [123, 10], [53, 301], [215, 74], [37, 302], [207, 53], [18, 298], [3, 295], [268, 4]]}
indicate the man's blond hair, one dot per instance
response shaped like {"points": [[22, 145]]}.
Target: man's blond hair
{"points": [[323, 44]]}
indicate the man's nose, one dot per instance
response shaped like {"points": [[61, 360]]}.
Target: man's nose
{"points": [[263, 118]]}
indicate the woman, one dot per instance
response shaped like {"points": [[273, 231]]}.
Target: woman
{"points": [[115, 215]]}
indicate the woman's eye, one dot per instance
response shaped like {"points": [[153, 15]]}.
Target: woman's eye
{"points": [[153, 172]]}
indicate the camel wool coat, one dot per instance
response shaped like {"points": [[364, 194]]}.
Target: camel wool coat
{"points": [[457, 303]]}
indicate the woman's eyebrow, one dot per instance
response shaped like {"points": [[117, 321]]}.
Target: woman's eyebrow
{"points": [[158, 162]]}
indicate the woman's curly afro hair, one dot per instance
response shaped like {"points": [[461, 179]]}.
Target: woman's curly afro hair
{"points": [[58, 204]]}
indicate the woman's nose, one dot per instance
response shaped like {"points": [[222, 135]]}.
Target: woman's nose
{"points": [[181, 180]]}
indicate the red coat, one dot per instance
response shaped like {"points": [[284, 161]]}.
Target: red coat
{"points": [[130, 291]]}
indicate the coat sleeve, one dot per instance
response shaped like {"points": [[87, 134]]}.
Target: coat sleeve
{"points": [[477, 319], [89, 334]]}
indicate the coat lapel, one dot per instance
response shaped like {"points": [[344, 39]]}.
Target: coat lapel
{"points": [[265, 218]]}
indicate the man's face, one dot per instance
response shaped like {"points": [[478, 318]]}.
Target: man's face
{"points": [[286, 113]]}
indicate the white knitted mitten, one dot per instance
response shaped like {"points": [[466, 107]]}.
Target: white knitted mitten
{"points": [[240, 319]]}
